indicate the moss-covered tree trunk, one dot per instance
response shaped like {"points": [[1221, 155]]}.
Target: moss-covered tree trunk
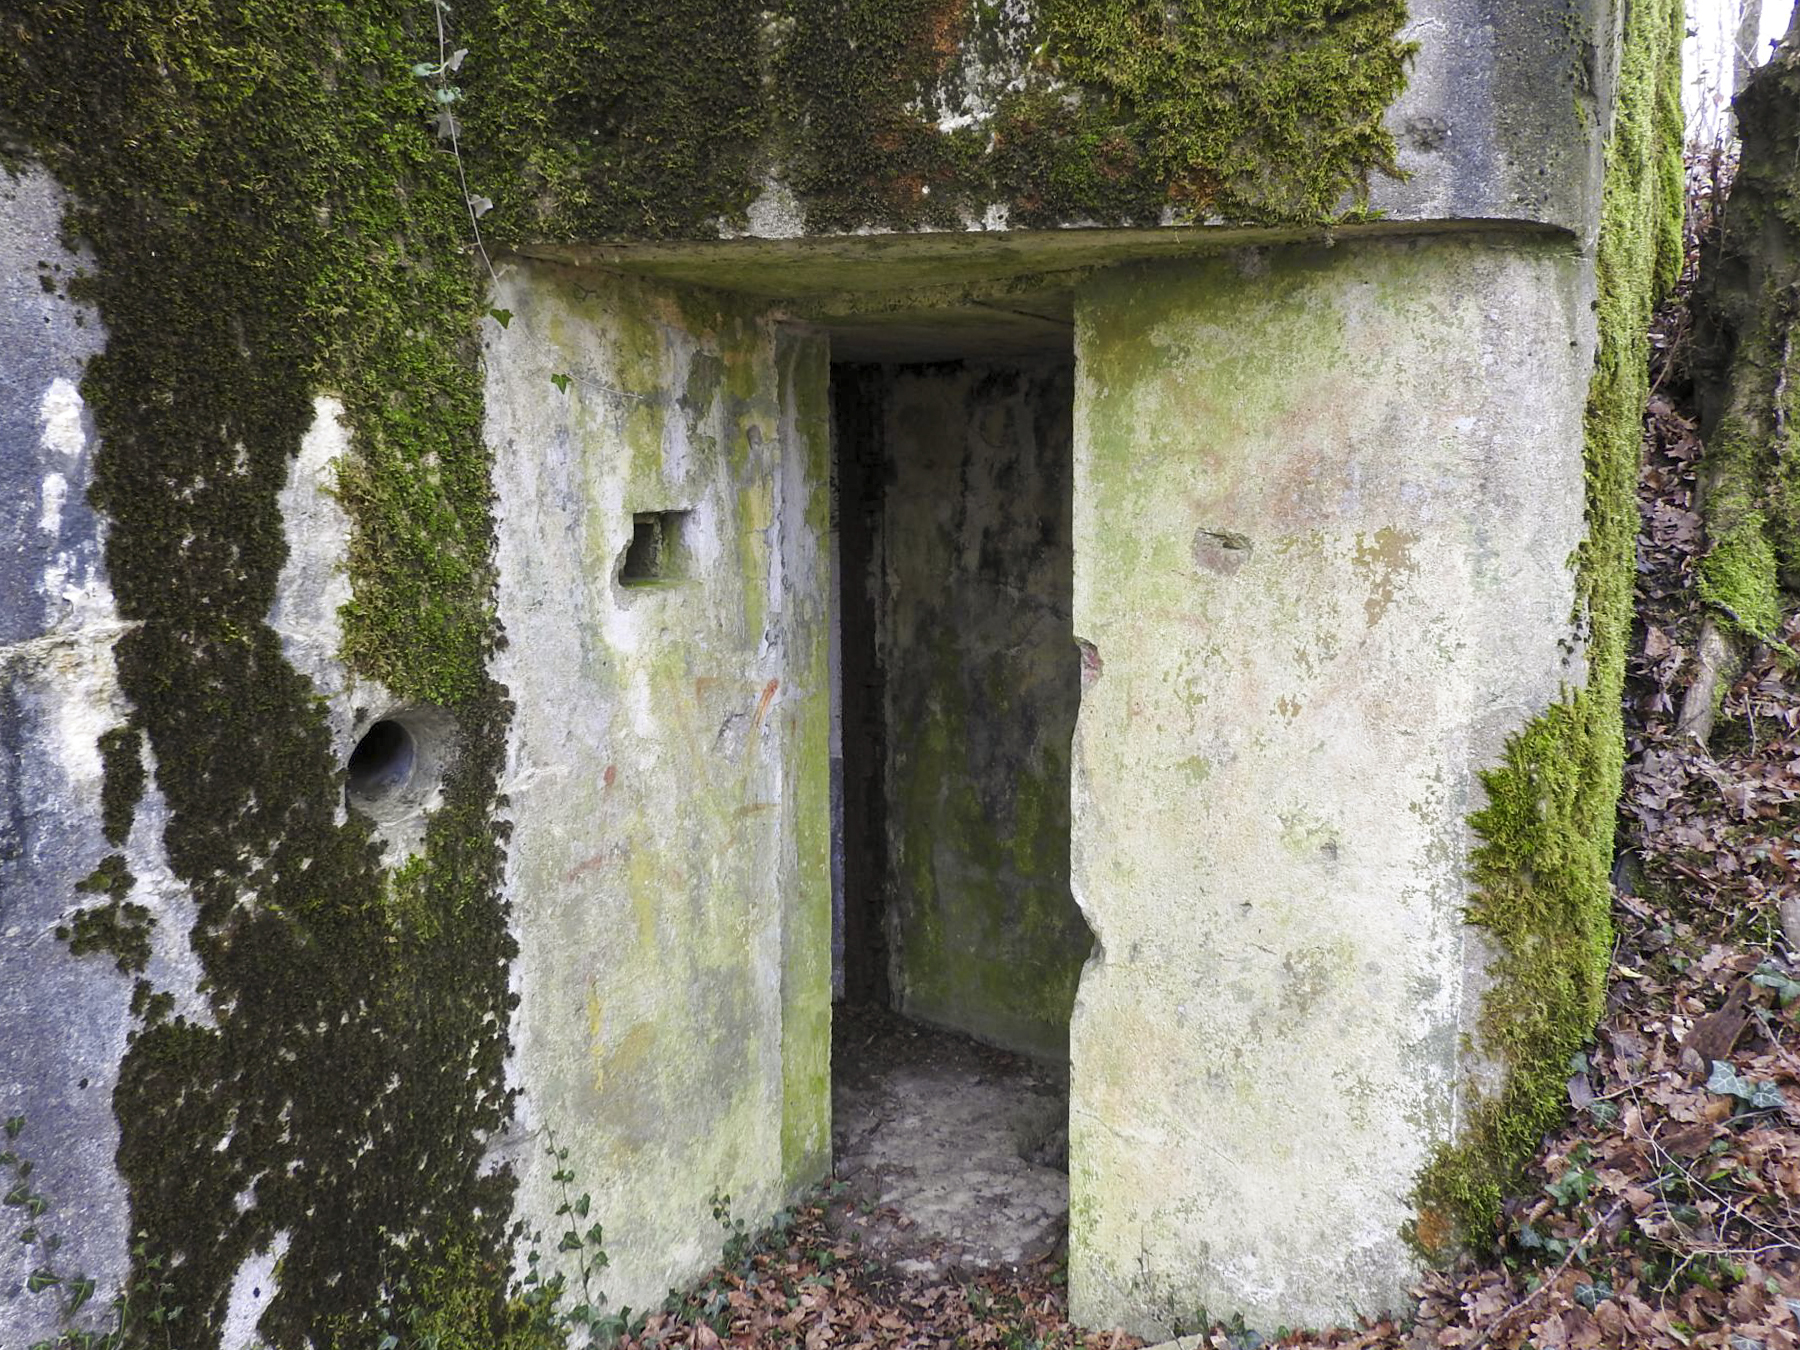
{"points": [[1747, 362]]}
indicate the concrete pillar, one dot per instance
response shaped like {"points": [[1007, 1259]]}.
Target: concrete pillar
{"points": [[1325, 507], [668, 758]]}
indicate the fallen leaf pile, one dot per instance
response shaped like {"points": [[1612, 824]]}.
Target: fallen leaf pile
{"points": [[1667, 1212], [804, 1286]]}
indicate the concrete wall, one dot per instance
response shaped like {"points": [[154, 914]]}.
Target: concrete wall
{"points": [[979, 695], [62, 1021], [1325, 505], [668, 760]]}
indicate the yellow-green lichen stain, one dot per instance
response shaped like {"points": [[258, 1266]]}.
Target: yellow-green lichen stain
{"points": [[667, 787], [1309, 617], [1546, 829]]}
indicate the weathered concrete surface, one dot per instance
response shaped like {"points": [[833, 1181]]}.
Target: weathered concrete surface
{"points": [[1325, 502], [980, 691], [1501, 113], [668, 764], [62, 1019]]}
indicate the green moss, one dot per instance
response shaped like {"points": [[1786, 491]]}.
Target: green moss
{"points": [[1752, 504], [119, 926], [121, 781], [588, 122], [1547, 832], [591, 121], [864, 150], [1747, 363], [446, 1304], [1738, 574], [1249, 111]]}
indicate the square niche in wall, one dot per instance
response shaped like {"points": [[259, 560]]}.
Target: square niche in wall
{"points": [[657, 553]]}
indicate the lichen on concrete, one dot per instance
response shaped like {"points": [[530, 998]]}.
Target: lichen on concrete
{"points": [[1311, 614], [667, 759]]}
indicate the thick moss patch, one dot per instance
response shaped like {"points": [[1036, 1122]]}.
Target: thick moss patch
{"points": [[271, 215], [1247, 111], [1547, 831], [590, 122]]}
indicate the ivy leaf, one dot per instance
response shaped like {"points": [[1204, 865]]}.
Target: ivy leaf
{"points": [[1771, 976], [503, 317], [456, 59], [40, 1280], [481, 206], [449, 93], [1572, 1187], [1725, 1081], [571, 1242], [81, 1289], [1761, 1096], [561, 382], [581, 1205], [1591, 1296], [13, 1125], [425, 69]]}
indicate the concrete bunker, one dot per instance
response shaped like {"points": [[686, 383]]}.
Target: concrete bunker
{"points": [[1230, 716], [955, 690], [1331, 566]]}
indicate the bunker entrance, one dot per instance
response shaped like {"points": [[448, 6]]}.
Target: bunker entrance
{"points": [[958, 946]]}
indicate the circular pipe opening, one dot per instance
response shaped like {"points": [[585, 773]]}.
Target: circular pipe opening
{"points": [[382, 761]]}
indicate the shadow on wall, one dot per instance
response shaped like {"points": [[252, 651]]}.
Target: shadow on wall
{"points": [[959, 685]]}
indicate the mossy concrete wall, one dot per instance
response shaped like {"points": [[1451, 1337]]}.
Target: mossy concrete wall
{"points": [[705, 118], [667, 765], [980, 686], [278, 454], [1327, 503], [1748, 362]]}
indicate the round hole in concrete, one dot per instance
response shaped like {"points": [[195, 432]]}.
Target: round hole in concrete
{"points": [[382, 761], [395, 770]]}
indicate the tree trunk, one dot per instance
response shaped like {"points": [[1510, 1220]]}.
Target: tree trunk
{"points": [[1749, 34], [1746, 373]]}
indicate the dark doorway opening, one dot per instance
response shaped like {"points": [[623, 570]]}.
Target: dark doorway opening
{"points": [[957, 682]]}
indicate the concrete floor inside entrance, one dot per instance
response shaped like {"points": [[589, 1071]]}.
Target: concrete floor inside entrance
{"points": [[951, 1155]]}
